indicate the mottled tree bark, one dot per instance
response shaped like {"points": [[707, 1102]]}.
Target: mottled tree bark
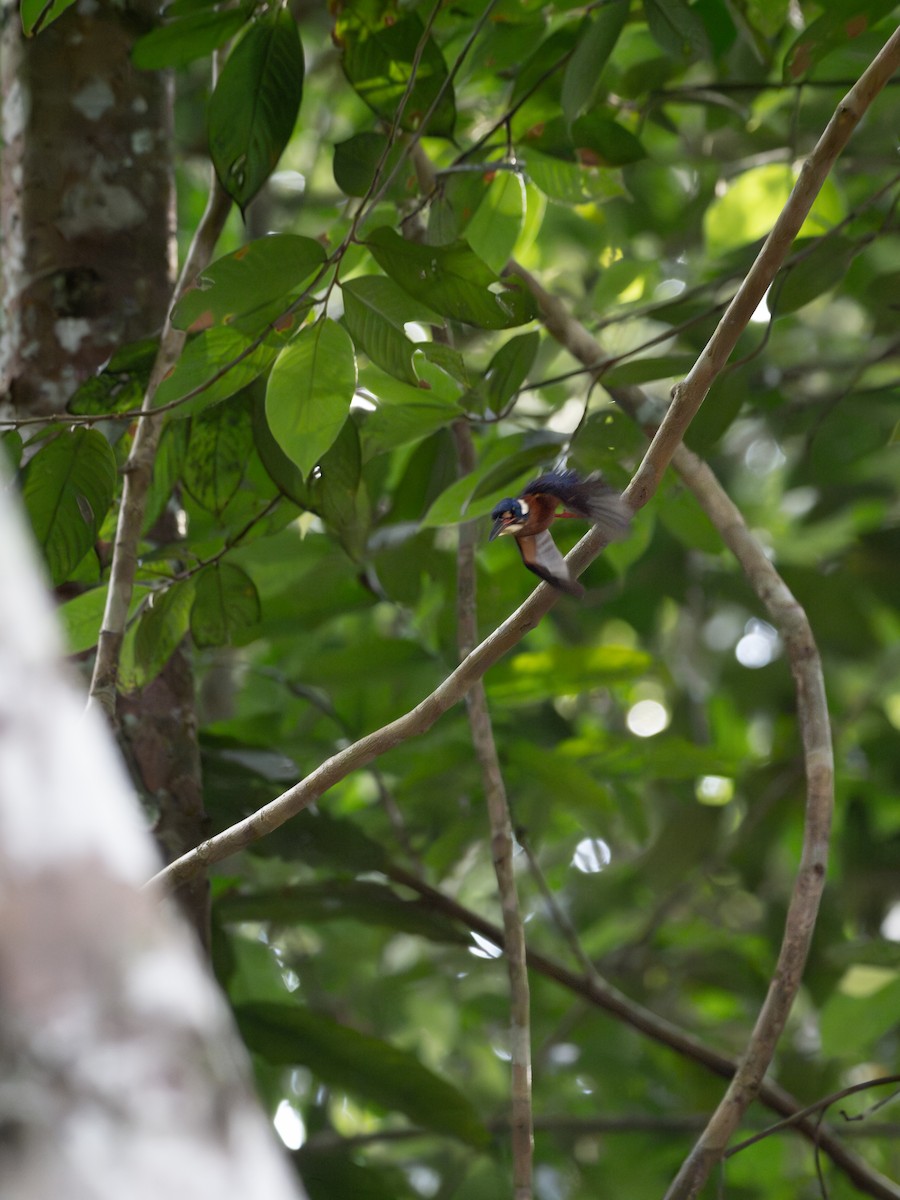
{"points": [[88, 266], [87, 199]]}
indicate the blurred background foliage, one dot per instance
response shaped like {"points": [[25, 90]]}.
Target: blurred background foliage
{"points": [[632, 156]]}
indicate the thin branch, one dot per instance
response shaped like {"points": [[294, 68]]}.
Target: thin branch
{"points": [[139, 468], [502, 847], [819, 1106]]}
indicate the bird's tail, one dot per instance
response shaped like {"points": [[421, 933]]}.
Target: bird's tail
{"points": [[606, 509]]}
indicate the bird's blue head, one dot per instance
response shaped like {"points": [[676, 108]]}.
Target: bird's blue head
{"points": [[509, 516]]}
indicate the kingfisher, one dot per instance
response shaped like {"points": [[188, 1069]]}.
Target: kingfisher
{"points": [[529, 516]]}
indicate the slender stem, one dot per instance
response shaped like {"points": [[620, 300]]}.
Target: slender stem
{"points": [[139, 468], [502, 846]]}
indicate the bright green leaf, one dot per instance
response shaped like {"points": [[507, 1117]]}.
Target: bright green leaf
{"points": [[38, 14], [248, 280], [309, 392], [213, 366], [375, 313]]}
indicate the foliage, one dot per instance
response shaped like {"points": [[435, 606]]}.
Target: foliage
{"points": [[633, 157]]}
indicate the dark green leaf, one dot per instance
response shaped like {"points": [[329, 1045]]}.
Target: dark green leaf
{"points": [[814, 276], [644, 370], [596, 39], [187, 38], [226, 606], [341, 900], [602, 142], [357, 159], [309, 392], [378, 58], [68, 488], [255, 104], [342, 1057], [509, 368], [403, 414], [676, 28], [154, 639], [219, 446], [248, 281], [453, 280]]}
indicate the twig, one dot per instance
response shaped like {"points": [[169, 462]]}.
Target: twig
{"points": [[819, 1106], [502, 847], [139, 468]]}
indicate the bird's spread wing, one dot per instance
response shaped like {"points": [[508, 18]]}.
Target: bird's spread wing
{"points": [[589, 498], [540, 554]]}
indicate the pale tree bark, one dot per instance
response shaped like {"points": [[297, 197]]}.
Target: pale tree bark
{"points": [[88, 266], [122, 1073]]}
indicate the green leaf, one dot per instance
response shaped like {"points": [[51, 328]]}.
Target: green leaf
{"points": [[247, 281], [220, 444], [823, 267], [284, 474], [644, 370], [120, 384], [373, 1070], [597, 37], [753, 202], [38, 14], [68, 488], [453, 280], [214, 365], [378, 58], [341, 900], [403, 414], [840, 23], [495, 228], [569, 182], [357, 159], [375, 312], [602, 142], [255, 104], [82, 616], [676, 28], [157, 635], [309, 392], [336, 493], [509, 368], [190, 37], [328, 1173], [475, 494], [226, 606]]}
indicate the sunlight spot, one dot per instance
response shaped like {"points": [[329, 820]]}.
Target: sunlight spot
{"points": [[591, 855], [714, 790], [861, 980], [763, 455], [892, 712], [564, 1054], [647, 717], [483, 948], [364, 400], [759, 645], [424, 1180], [289, 1125], [761, 314], [890, 926]]}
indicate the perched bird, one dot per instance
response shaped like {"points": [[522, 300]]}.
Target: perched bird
{"points": [[529, 516]]}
